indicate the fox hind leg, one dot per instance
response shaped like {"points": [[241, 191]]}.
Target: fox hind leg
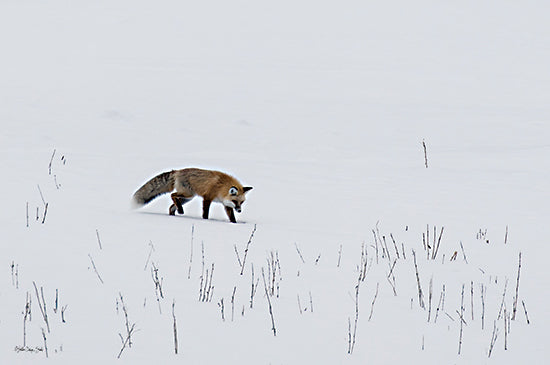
{"points": [[178, 200]]}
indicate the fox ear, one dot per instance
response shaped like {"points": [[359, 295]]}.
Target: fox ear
{"points": [[246, 188], [233, 191]]}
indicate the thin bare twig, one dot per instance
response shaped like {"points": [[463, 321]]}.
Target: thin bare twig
{"points": [[373, 301], [463, 253], [42, 305], [273, 328], [483, 306], [175, 327], [45, 212], [494, 337], [191, 254], [425, 153], [45, 342], [515, 307], [95, 269], [299, 253], [246, 249], [51, 161], [441, 303], [525, 310], [98, 239], [462, 321], [352, 335], [420, 295]]}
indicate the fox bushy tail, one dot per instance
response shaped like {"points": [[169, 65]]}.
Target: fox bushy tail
{"points": [[160, 184]]}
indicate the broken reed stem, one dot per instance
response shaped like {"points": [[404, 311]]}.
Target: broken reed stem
{"points": [[506, 319], [156, 280], [27, 316], [441, 303], [50, 164], [246, 249], [95, 269], [299, 304], [317, 259], [525, 310], [42, 305], [420, 295], [494, 337], [158, 284], [127, 341], [375, 246], [515, 307], [386, 248], [430, 294], [339, 256], [207, 291], [463, 253], [233, 304], [14, 274], [483, 306], [436, 245], [98, 239], [352, 335], [55, 308], [364, 262], [273, 266], [395, 246], [202, 271], [472, 298], [373, 301], [63, 313], [254, 287], [175, 327], [299, 253], [273, 328], [45, 212], [222, 308], [27, 214], [191, 253], [503, 298], [392, 280], [461, 320], [45, 342], [425, 153], [238, 257]]}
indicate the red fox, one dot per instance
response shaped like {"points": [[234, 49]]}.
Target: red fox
{"points": [[212, 186]]}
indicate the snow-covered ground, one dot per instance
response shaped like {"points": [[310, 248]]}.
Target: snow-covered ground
{"points": [[323, 108]]}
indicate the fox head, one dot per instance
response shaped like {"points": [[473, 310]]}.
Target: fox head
{"points": [[235, 197]]}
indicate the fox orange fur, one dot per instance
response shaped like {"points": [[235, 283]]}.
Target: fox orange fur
{"points": [[212, 186]]}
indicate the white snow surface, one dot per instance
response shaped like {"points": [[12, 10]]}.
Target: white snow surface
{"points": [[322, 107]]}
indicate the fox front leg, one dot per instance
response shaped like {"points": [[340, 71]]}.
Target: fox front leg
{"points": [[206, 208], [230, 214]]}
